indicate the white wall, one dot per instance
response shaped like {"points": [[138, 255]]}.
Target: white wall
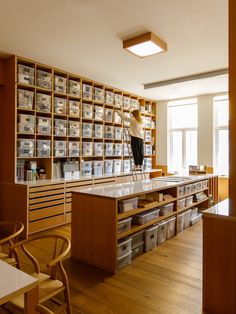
{"points": [[205, 131]]}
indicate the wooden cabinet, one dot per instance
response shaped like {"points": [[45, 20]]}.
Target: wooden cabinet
{"points": [[96, 215]]}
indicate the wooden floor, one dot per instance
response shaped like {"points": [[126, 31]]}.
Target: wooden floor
{"points": [[167, 280]]}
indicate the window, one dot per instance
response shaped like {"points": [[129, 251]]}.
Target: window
{"points": [[221, 140], [182, 126]]}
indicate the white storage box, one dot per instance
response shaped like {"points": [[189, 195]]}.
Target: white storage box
{"points": [[180, 191], [181, 203], [60, 89], [187, 189], [43, 84], [86, 168], [87, 112], [147, 122], [87, 148], [194, 211], [60, 128], [166, 209], [108, 115], [126, 102], [87, 129], [44, 152], [44, 126], [25, 74], [124, 225], [74, 88], [134, 104], [127, 115], [187, 216], [126, 166], [204, 184], [143, 218], [60, 105], [195, 219], [60, 80], [60, 145], [43, 75], [44, 121], [118, 149], [123, 247], [98, 113], [98, 130], [98, 149], [73, 148], [193, 187], [98, 167], [74, 129], [150, 238], [148, 136], [118, 100], [25, 128], [123, 261], [147, 149], [117, 133], [25, 99], [199, 185], [98, 94], [189, 201], [117, 118], [170, 227], [26, 118], [109, 98], [117, 166], [109, 132], [43, 102], [59, 153], [180, 223], [87, 91], [129, 204], [137, 250], [25, 152], [108, 167], [25, 143], [73, 108], [109, 151], [161, 232]]}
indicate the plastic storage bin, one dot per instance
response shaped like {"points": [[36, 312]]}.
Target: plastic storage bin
{"points": [[147, 163], [199, 185], [98, 113], [170, 232], [180, 190], [109, 98], [109, 132], [108, 115], [25, 74], [109, 149], [126, 102], [195, 219], [134, 104], [117, 133], [146, 216], [98, 149], [44, 126], [87, 111], [147, 149], [150, 238], [187, 216], [87, 91], [189, 201], [60, 105], [180, 223], [87, 130], [166, 209], [126, 166], [137, 238], [87, 149], [124, 225], [74, 88], [25, 128], [43, 102], [43, 75], [129, 204], [118, 100], [161, 232], [73, 108], [108, 167], [73, 149], [148, 136], [86, 168], [181, 203], [60, 84], [26, 118], [123, 261], [98, 130], [118, 149], [117, 118], [204, 184], [117, 166], [187, 189], [60, 127], [43, 148], [74, 129], [137, 250], [98, 167], [25, 148], [123, 247], [98, 94], [25, 99], [60, 148]]}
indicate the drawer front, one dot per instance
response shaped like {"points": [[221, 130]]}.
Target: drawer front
{"points": [[68, 217], [76, 185], [46, 212], [43, 224]]}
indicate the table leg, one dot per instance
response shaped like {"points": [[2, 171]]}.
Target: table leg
{"points": [[31, 300]]}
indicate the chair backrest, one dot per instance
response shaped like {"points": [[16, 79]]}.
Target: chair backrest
{"points": [[9, 234], [45, 251]]}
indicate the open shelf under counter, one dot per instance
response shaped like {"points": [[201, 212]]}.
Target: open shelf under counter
{"points": [[192, 193], [143, 209], [192, 205], [136, 228]]}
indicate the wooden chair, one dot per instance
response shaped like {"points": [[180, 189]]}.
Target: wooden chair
{"points": [[45, 252], [43, 309], [9, 234]]}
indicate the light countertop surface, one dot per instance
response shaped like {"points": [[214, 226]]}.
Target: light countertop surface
{"points": [[122, 190], [221, 208]]}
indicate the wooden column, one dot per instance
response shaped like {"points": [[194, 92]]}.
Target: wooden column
{"points": [[232, 107]]}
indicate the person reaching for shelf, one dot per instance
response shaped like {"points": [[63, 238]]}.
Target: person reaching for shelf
{"points": [[136, 134]]}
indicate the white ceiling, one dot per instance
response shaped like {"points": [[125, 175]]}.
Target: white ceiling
{"points": [[85, 37]]}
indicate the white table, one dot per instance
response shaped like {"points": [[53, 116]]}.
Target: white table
{"points": [[14, 282]]}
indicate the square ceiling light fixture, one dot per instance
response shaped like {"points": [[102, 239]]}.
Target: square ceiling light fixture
{"points": [[145, 45]]}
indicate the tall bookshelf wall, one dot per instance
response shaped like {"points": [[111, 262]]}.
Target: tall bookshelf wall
{"points": [[38, 122]]}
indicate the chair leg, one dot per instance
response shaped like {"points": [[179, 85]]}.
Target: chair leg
{"points": [[67, 298]]}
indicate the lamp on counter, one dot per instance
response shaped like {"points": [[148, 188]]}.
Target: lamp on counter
{"points": [[145, 45]]}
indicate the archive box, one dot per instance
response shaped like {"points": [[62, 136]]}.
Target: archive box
{"points": [[145, 217], [123, 261], [170, 227], [161, 232], [43, 102], [150, 238], [129, 204], [123, 247], [124, 225], [25, 99]]}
